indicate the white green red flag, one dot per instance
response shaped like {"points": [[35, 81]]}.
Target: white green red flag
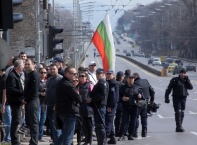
{"points": [[103, 41]]}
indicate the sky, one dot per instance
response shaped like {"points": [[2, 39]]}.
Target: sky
{"points": [[99, 7]]}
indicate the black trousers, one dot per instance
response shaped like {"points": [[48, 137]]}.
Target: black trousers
{"points": [[16, 117], [31, 116], [87, 128]]}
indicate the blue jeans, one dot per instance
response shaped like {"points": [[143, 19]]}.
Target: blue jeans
{"points": [[52, 121], [42, 118], [6, 118], [66, 138]]}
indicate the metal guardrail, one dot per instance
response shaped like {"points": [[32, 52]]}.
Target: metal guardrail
{"points": [[152, 70]]}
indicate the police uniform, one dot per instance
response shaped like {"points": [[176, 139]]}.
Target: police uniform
{"points": [[148, 93], [130, 110], [179, 95], [99, 96], [113, 97]]}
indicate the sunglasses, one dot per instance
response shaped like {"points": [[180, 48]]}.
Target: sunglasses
{"points": [[43, 72], [73, 73], [82, 76], [75, 80], [93, 65]]}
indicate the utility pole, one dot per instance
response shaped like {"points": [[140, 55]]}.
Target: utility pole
{"points": [[38, 40], [45, 20]]}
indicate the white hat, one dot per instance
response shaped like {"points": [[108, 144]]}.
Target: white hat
{"points": [[91, 63]]}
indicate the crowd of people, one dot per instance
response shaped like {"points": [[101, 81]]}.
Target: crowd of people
{"points": [[81, 101]]}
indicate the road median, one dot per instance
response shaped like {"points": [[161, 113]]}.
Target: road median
{"points": [[146, 67]]}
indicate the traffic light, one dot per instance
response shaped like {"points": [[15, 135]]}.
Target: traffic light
{"points": [[7, 17], [53, 41]]}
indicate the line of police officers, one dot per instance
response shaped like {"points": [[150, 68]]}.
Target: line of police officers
{"points": [[127, 102]]}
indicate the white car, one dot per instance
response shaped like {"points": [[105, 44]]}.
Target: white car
{"points": [[156, 61]]}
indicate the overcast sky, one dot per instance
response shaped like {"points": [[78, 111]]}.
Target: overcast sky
{"points": [[97, 15]]}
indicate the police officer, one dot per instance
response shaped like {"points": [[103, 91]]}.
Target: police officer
{"points": [[179, 85], [130, 95], [148, 93], [118, 118], [112, 100], [98, 97]]}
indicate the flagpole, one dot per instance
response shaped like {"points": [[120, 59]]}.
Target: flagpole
{"points": [[84, 55]]}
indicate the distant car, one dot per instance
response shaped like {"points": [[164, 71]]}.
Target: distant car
{"points": [[167, 62], [150, 60], [190, 67], [128, 54], [177, 70], [172, 66], [141, 54], [124, 51], [178, 61], [97, 54], [156, 61], [147, 55]]}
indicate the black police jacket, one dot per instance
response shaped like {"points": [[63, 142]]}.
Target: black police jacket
{"points": [[113, 95], [99, 93], [68, 99], [179, 87], [131, 92], [14, 89], [147, 89]]}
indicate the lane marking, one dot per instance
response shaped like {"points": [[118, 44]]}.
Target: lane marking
{"points": [[192, 113], [162, 117], [194, 133]]}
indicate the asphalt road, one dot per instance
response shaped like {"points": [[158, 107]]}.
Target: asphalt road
{"points": [[161, 126]]}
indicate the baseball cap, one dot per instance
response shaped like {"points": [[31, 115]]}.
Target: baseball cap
{"points": [[110, 72], [100, 70], [120, 73], [92, 63], [57, 59]]}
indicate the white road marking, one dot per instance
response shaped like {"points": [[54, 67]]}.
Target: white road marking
{"points": [[162, 117], [195, 133], [193, 113]]}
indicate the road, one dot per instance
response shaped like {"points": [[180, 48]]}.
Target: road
{"points": [[161, 126]]}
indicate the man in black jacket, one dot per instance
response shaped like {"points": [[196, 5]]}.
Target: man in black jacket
{"points": [[112, 100], [67, 105], [98, 98], [14, 92], [149, 95], [31, 100], [179, 85]]}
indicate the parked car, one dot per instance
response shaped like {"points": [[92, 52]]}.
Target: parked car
{"points": [[177, 70], [172, 66], [156, 61], [190, 67], [128, 54]]}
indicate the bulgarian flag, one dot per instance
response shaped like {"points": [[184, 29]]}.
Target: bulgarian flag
{"points": [[103, 41]]}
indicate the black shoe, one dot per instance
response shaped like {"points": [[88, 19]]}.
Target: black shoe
{"points": [[180, 129], [86, 143], [130, 137], [122, 138], [135, 135], [112, 141], [144, 134]]}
